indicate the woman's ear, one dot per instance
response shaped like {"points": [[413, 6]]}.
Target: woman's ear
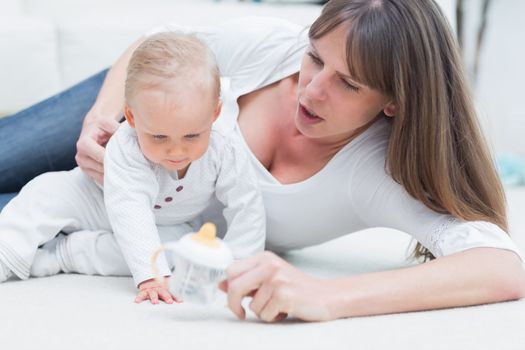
{"points": [[390, 109], [129, 116], [217, 111]]}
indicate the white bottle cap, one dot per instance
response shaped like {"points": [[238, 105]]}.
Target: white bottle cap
{"points": [[204, 248]]}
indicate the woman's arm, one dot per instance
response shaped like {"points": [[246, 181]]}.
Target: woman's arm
{"points": [[102, 119], [472, 277]]}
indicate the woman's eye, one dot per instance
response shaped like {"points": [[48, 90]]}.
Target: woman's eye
{"points": [[315, 59], [349, 86]]}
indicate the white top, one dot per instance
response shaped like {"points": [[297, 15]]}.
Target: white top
{"points": [[353, 191], [140, 195]]}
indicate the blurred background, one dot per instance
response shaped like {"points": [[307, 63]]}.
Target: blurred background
{"points": [[48, 45]]}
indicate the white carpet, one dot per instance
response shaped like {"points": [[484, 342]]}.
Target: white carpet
{"points": [[84, 312]]}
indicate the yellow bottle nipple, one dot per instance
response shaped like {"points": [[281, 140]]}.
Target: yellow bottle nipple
{"points": [[207, 235]]}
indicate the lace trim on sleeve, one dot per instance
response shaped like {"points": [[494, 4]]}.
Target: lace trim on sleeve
{"points": [[436, 237]]}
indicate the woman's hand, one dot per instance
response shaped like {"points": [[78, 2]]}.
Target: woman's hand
{"points": [[475, 276], [101, 121], [155, 291], [278, 290], [94, 136]]}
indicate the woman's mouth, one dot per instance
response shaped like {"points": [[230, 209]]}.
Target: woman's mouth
{"points": [[308, 116]]}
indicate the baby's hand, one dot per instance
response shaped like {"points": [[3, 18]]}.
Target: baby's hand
{"points": [[153, 290]]}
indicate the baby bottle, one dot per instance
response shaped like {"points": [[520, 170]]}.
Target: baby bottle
{"points": [[200, 261]]}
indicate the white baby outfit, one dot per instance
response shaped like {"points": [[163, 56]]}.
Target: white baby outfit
{"points": [[143, 205], [140, 195]]}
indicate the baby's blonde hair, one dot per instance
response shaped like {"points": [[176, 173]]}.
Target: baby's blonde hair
{"points": [[172, 57]]}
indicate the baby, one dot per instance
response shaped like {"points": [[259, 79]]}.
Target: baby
{"points": [[162, 168]]}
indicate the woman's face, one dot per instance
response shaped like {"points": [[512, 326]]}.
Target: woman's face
{"points": [[333, 107]]}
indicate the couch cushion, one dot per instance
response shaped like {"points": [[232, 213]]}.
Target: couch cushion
{"points": [[29, 60]]}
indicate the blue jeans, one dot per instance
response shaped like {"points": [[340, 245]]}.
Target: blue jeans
{"points": [[43, 137]]}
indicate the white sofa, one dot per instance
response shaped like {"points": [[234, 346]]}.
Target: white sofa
{"points": [[47, 45]]}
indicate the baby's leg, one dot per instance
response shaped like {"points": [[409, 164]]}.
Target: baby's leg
{"points": [[95, 252], [50, 203], [91, 253]]}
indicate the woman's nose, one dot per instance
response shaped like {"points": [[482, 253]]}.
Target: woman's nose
{"points": [[317, 87]]}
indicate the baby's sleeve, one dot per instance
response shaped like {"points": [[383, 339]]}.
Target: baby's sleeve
{"points": [[130, 188], [237, 188]]}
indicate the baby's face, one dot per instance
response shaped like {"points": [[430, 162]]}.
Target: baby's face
{"points": [[173, 130]]}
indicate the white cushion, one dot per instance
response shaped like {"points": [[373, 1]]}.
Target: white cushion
{"points": [[11, 7], [29, 61], [57, 43], [92, 38]]}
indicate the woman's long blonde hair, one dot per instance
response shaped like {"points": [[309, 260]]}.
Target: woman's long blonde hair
{"points": [[405, 49]]}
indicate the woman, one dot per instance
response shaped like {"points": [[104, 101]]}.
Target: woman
{"points": [[376, 129]]}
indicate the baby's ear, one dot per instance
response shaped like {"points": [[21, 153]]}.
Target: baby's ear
{"points": [[129, 116], [217, 110]]}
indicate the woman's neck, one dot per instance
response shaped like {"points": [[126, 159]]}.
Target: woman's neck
{"points": [[266, 120]]}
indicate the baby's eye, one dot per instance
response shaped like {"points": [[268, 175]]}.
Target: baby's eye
{"points": [[159, 137], [192, 136]]}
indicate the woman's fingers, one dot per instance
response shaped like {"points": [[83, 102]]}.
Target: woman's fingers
{"points": [[91, 161], [240, 287], [90, 146], [223, 285], [89, 164], [278, 290], [244, 285], [275, 308], [245, 278], [98, 177], [241, 266], [261, 298], [108, 126]]}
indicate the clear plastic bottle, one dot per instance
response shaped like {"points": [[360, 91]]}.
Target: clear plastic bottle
{"points": [[200, 261]]}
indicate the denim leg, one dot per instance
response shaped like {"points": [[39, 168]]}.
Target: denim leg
{"points": [[43, 137], [5, 198]]}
